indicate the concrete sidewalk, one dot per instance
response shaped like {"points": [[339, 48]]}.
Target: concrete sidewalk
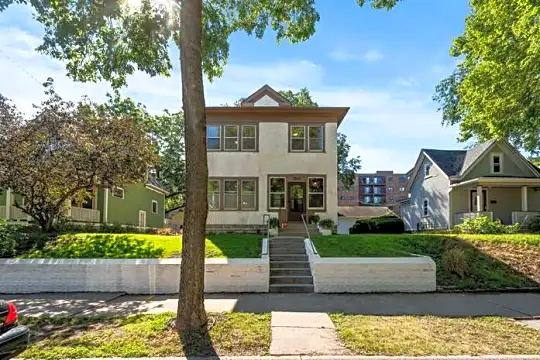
{"points": [[514, 305]]}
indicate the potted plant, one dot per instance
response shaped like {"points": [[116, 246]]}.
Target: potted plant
{"points": [[273, 224], [326, 226], [314, 219]]}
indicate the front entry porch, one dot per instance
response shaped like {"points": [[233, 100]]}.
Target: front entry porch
{"points": [[509, 200]]}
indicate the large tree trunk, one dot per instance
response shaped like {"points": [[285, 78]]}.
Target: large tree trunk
{"points": [[191, 314]]}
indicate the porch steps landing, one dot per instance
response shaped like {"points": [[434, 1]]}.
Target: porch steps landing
{"points": [[296, 228], [289, 265]]}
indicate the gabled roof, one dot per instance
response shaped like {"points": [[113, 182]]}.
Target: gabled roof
{"points": [[265, 90], [156, 185], [450, 161]]}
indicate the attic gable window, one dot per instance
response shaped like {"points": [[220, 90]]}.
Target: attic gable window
{"points": [[496, 163], [427, 169]]}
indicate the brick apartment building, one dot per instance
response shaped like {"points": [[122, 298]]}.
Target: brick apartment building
{"points": [[382, 188]]}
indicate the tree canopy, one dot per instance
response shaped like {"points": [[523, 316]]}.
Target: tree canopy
{"points": [[66, 151], [494, 92]]}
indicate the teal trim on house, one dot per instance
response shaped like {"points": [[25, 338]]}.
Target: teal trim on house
{"points": [[136, 198]]}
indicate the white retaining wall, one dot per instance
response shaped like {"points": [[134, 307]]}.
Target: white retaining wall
{"points": [[132, 276], [365, 275]]}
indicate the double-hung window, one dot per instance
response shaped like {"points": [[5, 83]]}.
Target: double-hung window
{"points": [[316, 193], [232, 194], [277, 193], [231, 137], [308, 138], [496, 163], [213, 137]]}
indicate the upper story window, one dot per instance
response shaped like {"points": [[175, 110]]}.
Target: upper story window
{"points": [[496, 163], [390, 178], [118, 192], [154, 207], [402, 179], [231, 137], [425, 207], [306, 138], [390, 189], [427, 169], [367, 189], [367, 199]]}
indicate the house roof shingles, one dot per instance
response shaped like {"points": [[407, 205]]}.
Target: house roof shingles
{"points": [[456, 162]]}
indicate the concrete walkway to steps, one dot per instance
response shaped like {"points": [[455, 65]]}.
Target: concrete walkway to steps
{"points": [[515, 305]]}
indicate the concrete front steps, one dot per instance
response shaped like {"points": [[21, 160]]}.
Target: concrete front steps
{"points": [[297, 228], [289, 266]]}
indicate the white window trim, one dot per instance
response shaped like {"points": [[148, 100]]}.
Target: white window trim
{"points": [[309, 138], [143, 226], [284, 192], [218, 193], [230, 193], [486, 200], [492, 163], [215, 137], [249, 194], [248, 137], [309, 192], [157, 207], [225, 137], [296, 138], [118, 188], [425, 208]]}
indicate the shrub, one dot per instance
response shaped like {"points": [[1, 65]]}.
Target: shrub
{"points": [[97, 247], [314, 219], [484, 225], [17, 239], [379, 225], [273, 222], [534, 225], [327, 224], [455, 262]]}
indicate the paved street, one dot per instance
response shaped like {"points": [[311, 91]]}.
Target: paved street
{"points": [[513, 305], [340, 357]]}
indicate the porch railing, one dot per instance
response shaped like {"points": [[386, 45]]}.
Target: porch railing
{"points": [[460, 217], [85, 215], [523, 217]]}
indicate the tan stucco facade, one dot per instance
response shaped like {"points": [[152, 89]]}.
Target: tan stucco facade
{"points": [[274, 159]]}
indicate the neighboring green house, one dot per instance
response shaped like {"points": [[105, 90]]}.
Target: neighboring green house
{"points": [[140, 205]]}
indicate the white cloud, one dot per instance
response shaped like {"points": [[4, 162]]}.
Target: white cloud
{"points": [[407, 81], [369, 56], [386, 127]]}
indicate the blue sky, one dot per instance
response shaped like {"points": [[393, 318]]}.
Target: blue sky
{"points": [[384, 65]]}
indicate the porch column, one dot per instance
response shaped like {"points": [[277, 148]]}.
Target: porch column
{"points": [[105, 205], [524, 200], [8, 204], [479, 199]]}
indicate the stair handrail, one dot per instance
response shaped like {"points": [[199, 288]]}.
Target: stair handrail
{"points": [[303, 217], [266, 221]]}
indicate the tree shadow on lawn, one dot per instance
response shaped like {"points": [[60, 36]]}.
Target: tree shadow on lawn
{"points": [[94, 332], [490, 266]]}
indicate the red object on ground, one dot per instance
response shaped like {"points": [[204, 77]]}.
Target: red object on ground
{"points": [[12, 315], [283, 225]]}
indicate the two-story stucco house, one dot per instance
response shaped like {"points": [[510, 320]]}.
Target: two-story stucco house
{"points": [[267, 157], [491, 179]]}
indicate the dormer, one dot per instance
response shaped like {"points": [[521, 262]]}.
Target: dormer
{"points": [[267, 97]]}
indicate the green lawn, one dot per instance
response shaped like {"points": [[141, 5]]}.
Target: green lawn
{"points": [[231, 334], [90, 245], [434, 336], [494, 261]]}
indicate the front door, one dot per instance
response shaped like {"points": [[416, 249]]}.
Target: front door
{"points": [[297, 200], [474, 200], [142, 219]]}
